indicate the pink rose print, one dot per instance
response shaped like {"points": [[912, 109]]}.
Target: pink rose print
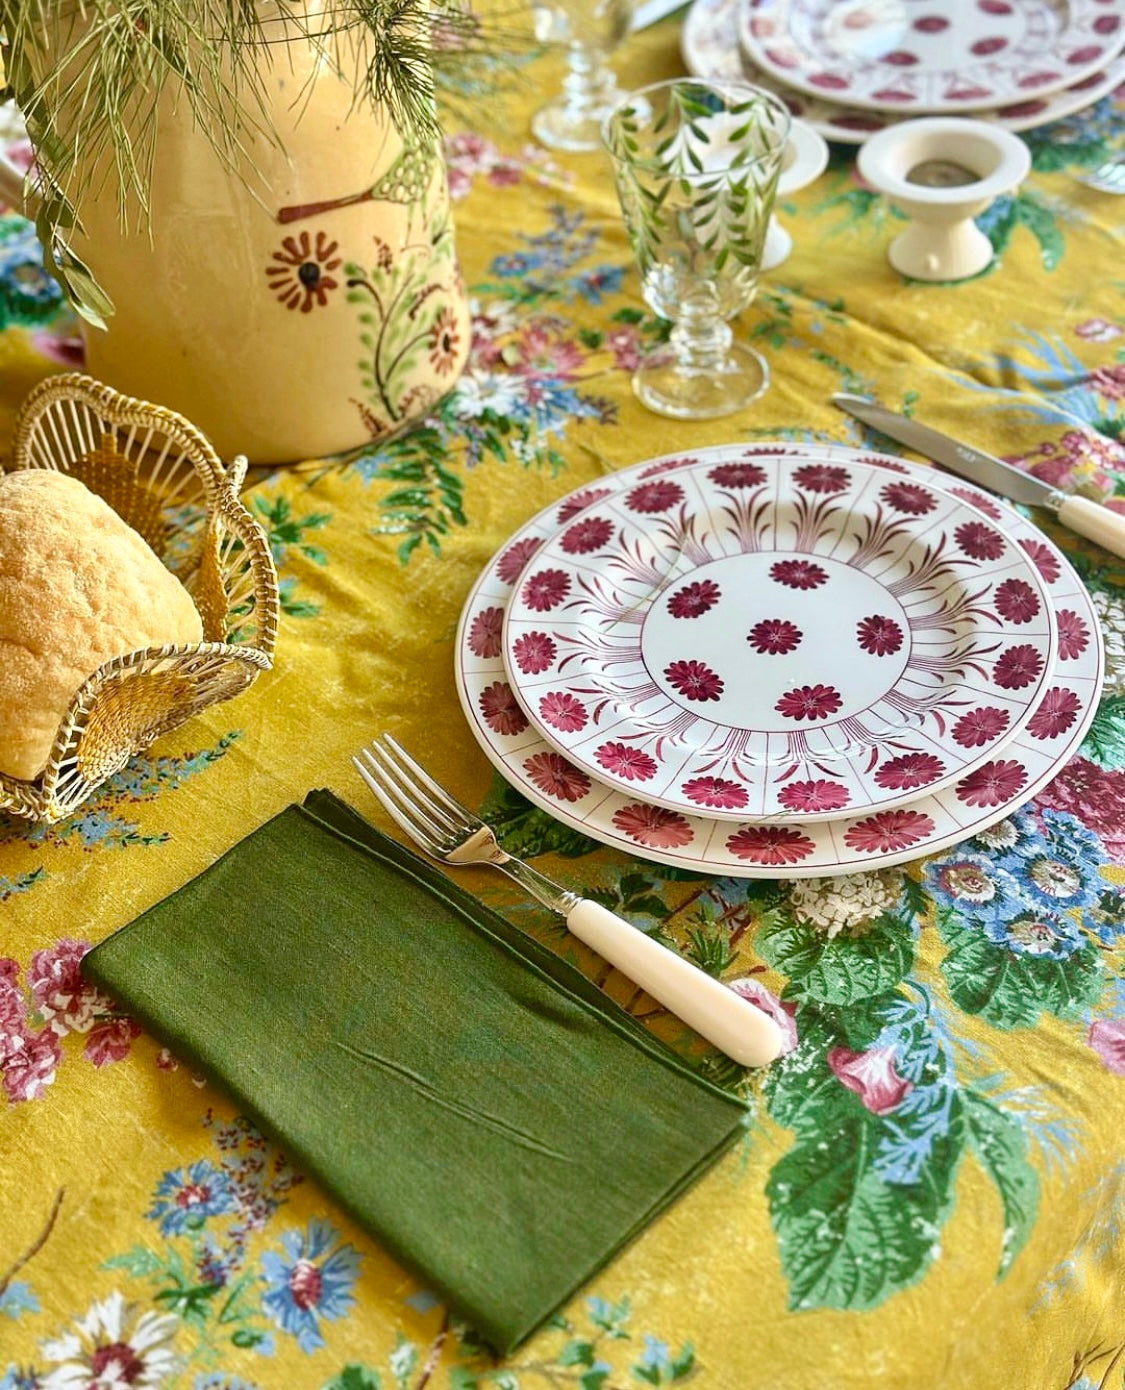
{"points": [[1017, 667], [1074, 635], [1097, 330], [584, 537], [879, 636], [798, 574], [109, 1041], [979, 541], [774, 636], [1043, 558], [556, 777], [910, 770], [1017, 601], [715, 791], [993, 783], [546, 590], [563, 712], [651, 498], [501, 712], [980, 726], [694, 680], [1057, 711], [770, 844], [579, 502], [510, 565], [909, 498], [1095, 797], [889, 831], [694, 599], [765, 999], [60, 993], [1107, 1038], [814, 796], [654, 826], [1109, 381], [979, 500], [809, 702], [28, 1062], [484, 633], [534, 652], [626, 762], [872, 1076], [821, 477], [738, 475]]}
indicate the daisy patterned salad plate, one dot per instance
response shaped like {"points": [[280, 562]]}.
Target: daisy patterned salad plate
{"points": [[918, 56], [628, 821], [767, 637], [710, 44]]}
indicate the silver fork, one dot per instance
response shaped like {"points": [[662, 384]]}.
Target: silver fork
{"points": [[1108, 177], [452, 834]]}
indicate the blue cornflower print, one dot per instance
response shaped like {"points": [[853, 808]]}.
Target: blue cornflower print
{"points": [[310, 1282], [16, 1379], [1039, 934], [515, 263], [975, 885], [1059, 868], [187, 1196]]}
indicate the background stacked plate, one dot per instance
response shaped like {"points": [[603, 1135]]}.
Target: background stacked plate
{"points": [[778, 660], [849, 69]]}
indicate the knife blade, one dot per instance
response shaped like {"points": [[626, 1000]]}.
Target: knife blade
{"points": [[1084, 517]]}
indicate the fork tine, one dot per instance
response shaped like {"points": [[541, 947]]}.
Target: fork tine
{"points": [[470, 819], [418, 831], [399, 779]]}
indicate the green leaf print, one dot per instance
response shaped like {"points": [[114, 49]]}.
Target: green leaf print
{"points": [[1041, 223], [844, 969], [354, 1377], [1105, 743], [999, 1144], [523, 830]]}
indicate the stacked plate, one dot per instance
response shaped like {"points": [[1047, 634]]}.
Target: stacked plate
{"points": [[849, 69], [779, 660]]}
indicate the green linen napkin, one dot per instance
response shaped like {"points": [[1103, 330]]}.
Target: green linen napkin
{"points": [[476, 1104]]}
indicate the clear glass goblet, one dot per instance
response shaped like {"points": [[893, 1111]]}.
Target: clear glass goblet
{"points": [[696, 165], [589, 30]]}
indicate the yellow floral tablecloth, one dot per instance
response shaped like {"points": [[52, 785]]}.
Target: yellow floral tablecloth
{"points": [[931, 1192]]}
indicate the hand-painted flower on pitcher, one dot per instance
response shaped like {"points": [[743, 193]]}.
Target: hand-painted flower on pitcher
{"points": [[909, 498], [717, 792], [111, 1348], [485, 633], [445, 342], [694, 599], [310, 1283], [979, 541], [631, 764], [534, 652], [299, 274], [186, 1197], [731, 475], [770, 844], [809, 702], [879, 635], [694, 680], [654, 826], [501, 710], [798, 574], [872, 1076], [1016, 601], [774, 637], [979, 726], [556, 777], [814, 795]]}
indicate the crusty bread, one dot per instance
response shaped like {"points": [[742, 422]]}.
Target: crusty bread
{"points": [[77, 586]]}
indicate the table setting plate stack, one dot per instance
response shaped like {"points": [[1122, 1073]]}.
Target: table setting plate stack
{"points": [[851, 69], [779, 660]]}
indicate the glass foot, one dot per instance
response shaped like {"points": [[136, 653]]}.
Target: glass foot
{"points": [[561, 127], [697, 394]]}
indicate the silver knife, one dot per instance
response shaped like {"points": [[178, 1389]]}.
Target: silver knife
{"points": [[649, 11], [1082, 516]]}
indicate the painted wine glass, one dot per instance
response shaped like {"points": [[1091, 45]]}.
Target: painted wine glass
{"points": [[696, 165], [590, 31]]}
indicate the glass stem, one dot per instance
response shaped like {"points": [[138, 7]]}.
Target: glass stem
{"points": [[701, 342], [588, 85]]}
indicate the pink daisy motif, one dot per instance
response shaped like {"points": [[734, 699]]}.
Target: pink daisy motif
{"points": [[738, 475], [715, 791], [501, 712], [1074, 635], [909, 770], [821, 477], [798, 574], [888, 831], [1017, 667], [909, 498], [626, 762], [1043, 558], [652, 498], [980, 726], [1016, 601], [579, 501], [510, 565], [563, 712], [654, 826], [993, 783], [1057, 711], [694, 599], [484, 633], [878, 635], [814, 796], [774, 636], [556, 777], [770, 844], [546, 589], [979, 500], [694, 680], [979, 541], [809, 702], [584, 537], [534, 652]]}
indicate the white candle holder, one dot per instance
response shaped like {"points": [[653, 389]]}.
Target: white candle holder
{"points": [[942, 171], [805, 158]]}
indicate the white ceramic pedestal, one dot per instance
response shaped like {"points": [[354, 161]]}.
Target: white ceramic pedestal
{"points": [[805, 158], [943, 243]]}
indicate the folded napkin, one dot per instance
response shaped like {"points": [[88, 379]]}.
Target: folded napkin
{"points": [[476, 1104]]}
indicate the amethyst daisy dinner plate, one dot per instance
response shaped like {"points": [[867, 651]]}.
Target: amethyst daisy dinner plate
{"points": [[779, 637], [627, 819]]}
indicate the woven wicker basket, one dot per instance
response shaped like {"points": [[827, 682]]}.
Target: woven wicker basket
{"points": [[162, 477]]}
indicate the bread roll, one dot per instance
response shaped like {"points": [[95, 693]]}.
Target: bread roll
{"points": [[77, 586]]}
